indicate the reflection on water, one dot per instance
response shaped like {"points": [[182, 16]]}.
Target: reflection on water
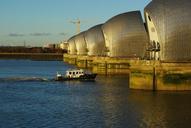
{"points": [[133, 108], [162, 109], [105, 103]]}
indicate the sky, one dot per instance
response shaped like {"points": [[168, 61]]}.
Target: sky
{"points": [[39, 22]]}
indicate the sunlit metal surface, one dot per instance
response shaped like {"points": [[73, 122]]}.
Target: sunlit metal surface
{"points": [[95, 41], [81, 45], [125, 35], [172, 21], [64, 45], [72, 46]]}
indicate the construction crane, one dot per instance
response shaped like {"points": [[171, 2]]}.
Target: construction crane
{"points": [[77, 23]]}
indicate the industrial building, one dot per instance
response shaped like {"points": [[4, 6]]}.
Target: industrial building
{"points": [[95, 41], [125, 35], [169, 28]]}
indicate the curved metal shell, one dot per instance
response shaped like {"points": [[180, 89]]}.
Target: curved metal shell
{"points": [[169, 23], [64, 45], [125, 35], [81, 45], [72, 46], [95, 41]]}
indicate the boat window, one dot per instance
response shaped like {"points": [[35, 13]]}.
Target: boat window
{"points": [[82, 72], [76, 72], [73, 73], [70, 73]]}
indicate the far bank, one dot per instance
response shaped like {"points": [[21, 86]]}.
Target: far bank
{"points": [[33, 56]]}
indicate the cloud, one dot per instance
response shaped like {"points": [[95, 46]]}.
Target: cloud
{"points": [[16, 34], [40, 34], [63, 33]]}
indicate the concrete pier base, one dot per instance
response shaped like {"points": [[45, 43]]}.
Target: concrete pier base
{"points": [[155, 75], [143, 74], [110, 66], [84, 62], [173, 76], [100, 65], [71, 59]]}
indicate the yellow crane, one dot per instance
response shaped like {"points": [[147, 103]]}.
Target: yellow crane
{"points": [[77, 23]]}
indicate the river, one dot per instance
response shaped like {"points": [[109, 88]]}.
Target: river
{"points": [[30, 99]]}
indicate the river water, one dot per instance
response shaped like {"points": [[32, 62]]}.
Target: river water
{"points": [[30, 99]]}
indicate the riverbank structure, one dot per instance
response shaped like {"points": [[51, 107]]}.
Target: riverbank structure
{"points": [[156, 54]]}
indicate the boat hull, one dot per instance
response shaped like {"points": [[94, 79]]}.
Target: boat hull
{"points": [[85, 77]]}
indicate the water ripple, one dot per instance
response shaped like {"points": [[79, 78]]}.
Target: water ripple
{"points": [[107, 103], [23, 79]]}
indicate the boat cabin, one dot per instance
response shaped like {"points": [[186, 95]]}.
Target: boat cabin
{"points": [[74, 73]]}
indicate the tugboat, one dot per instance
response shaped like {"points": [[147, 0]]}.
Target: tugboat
{"points": [[76, 74]]}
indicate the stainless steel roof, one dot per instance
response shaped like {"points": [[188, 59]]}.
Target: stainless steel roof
{"points": [[95, 41], [172, 20], [125, 35], [81, 45], [72, 46]]}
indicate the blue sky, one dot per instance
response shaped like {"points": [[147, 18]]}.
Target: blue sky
{"points": [[37, 22]]}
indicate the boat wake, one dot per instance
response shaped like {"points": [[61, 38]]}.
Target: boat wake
{"points": [[24, 79]]}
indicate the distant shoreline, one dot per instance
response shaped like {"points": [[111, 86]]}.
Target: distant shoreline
{"points": [[33, 56]]}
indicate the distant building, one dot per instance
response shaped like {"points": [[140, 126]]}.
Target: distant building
{"points": [[95, 41], [125, 35], [169, 28], [51, 46]]}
